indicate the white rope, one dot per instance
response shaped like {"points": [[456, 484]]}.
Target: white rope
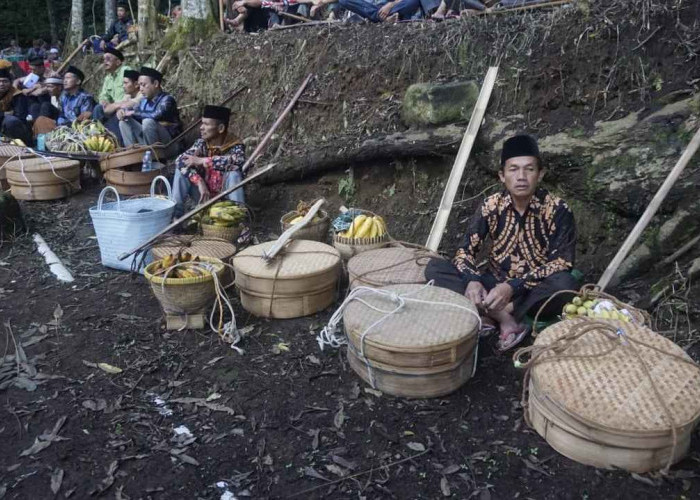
{"points": [[18, 156], [328, 335]]}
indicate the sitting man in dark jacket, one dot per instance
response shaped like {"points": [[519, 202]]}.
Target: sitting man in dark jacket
{"points": [[13, 110], [76, 103], [118, 31]]}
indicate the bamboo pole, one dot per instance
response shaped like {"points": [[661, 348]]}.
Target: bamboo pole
{"points": [[295, 17], [244, 168], [650, 211], [533, 6], [64, 64], [221, 15], [448, 196]]}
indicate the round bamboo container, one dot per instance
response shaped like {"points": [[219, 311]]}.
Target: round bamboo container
{"points": [[43, 178], [198, 246], [128, 182], [227, 233], [133, 155], [301, 280], [8, 151], [349, 247], [315, 231], [389, 266], [594, 402], [179, 296], [425, 349]]}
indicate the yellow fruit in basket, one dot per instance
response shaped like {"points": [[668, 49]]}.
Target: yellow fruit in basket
{"points": [[570, 309], [374, 230], [578, 301], [296, 219], [364, 229], [588, 304], [582, 311]]}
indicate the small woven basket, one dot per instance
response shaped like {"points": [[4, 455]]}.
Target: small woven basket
{"points": [[315, 231], [179, 296], [349, 247], [225, 233]]}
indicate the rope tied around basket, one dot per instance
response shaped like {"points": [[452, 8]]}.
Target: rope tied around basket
{"points": [[328, 335], [420, 261], [73, 184], [557, 351]]}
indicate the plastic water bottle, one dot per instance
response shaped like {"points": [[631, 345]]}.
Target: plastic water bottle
{"points": [[41, 142], [147, 165]]}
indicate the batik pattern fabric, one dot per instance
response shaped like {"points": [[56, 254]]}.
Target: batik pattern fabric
{"points": [[73, 106], [525, 248], [219, 160]]}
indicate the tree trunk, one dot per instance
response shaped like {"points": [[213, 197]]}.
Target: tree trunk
{"points": [[110, 12], [75, 34], [147, 24], [196, 9], [52, 21], [195, 24]]}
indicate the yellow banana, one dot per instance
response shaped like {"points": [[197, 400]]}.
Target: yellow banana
{"points": [[374, 230], [381, 225], [363, 231]]}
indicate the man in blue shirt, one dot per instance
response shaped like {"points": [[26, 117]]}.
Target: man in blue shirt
{"points": [[156, 119], [76, 104]]}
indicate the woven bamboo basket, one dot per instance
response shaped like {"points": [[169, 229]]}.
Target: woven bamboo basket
{"points": [[199, 246], [43, 178], [221, 232], [349, 247], [178, 296], [6, 153], [128, 182], [301, 280], [596, 401], [389, 266], [426, 349], [315, 231], [133, 155]]}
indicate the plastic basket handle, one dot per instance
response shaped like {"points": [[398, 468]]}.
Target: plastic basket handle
{"points": [[167, 187], [102, 197]]}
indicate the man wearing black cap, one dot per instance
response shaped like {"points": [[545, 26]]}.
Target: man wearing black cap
{"points": [[118, 31], [76, 104], [156, 119], [112, 90], [533, 245], [14, 107], [212, 164]]}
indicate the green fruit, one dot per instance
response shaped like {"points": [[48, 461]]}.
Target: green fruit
{"points": [[591, 313], [570, 309], [582, 311], [577, 301], [605, 314], [589, 304]]}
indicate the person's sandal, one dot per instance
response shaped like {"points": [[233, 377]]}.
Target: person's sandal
{"points": [[516, 339]]}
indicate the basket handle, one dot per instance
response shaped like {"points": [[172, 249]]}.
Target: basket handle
{"points": [[167, 187], [102, 197]]}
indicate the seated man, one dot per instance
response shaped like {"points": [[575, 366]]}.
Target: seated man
{"points": [[118, 31], [383, 11], [34, 87], [112, 90], [212, 164], [533, 243], [50, 109], [13, 110], [76, 103], [156, 119]]}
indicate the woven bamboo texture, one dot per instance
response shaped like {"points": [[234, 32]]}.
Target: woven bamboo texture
{"points": [[132, 183], [224, 233], [315, 231], [349, 247], [7, 152], [199, 246], [133, 155], [422, 334], [302, 280], [596, 404], [389, 266], [178, 296], [41, 179], [414, 383]]}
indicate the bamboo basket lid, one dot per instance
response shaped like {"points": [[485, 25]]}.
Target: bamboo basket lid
{"points": [[389, 266], [197, 246], [299, 259], [39, 165], [441, 320], [610, 389], [8, 151]]}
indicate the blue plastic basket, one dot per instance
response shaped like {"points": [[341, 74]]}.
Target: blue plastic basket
{"points": [[123, 225]]}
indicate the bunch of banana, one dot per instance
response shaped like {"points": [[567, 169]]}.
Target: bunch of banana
{"points": [[225, 214], [364, 226], [88, 127], [173, 265], [100, 143], [303, 208]]}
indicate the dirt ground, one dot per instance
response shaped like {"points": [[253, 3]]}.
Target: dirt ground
{"points": [[271, 423]]}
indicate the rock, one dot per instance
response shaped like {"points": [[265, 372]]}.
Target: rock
{"points": [[677, 230], [639, 260], [439, 104], [11, 222]]}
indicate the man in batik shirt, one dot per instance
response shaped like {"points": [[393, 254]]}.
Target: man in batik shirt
{"points": [[76, 104], [533, 237], [212, 164]]}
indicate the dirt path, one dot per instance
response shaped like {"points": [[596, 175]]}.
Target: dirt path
{"points": [[271, 423]]}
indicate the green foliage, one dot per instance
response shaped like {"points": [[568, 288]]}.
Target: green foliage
{"points": [[347, 188]]}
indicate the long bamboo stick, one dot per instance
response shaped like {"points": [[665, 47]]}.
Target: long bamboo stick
{"points": [[650, 211], [64, 64], [221, 15], [538, 5], [295, 17], [448, 196], [244, 168]]}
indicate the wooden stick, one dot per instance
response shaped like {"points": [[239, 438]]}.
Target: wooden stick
{"points": [[310, 23], [675, 255], [295, 17], [245, 167], [221, 15], [64, 64], [538, 5], [650, 210], [194, 124], [272, 252], [448, 196]]}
